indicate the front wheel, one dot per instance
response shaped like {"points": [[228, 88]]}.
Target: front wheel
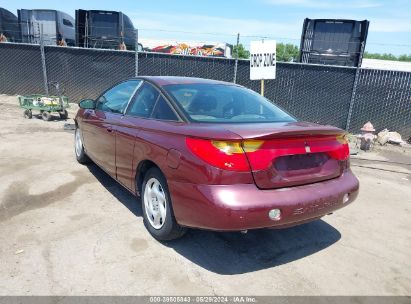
{"points": [[157, 208], [81, 155]]}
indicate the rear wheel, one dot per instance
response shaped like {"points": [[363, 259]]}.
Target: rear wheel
{"points": [[157, 208], [81, 155]]}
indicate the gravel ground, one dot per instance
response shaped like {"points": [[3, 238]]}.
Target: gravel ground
{"points": [[68, 229]]}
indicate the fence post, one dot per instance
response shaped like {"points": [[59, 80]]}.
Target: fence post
{"points": [[136, 53], [354, 88], [236, 59], [43, 61]]}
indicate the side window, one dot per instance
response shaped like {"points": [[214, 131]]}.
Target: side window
{"points": [[67, 23], [115, 100], [144, 101], [163, 111]]}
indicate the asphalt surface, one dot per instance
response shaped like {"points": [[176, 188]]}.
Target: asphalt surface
{"points": [[68, 229]]}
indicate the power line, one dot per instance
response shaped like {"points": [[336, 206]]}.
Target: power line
{"points": [[256, 36], [259, 36]]}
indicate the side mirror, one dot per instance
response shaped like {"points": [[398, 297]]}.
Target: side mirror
{"points": [[89, 104]]}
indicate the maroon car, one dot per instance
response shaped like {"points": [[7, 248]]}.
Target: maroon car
{"points": [[213, 155]]}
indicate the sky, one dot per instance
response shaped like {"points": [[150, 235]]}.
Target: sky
{"points": [[220, 21]]}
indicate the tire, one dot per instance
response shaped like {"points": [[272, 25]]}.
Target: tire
{"points": [[157, 207], [81, 155], [28, 114], [63, 114], [46, 116]]}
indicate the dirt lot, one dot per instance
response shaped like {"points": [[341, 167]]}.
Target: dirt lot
{"points": [[68, 229]]}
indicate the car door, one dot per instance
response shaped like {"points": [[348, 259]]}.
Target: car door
{"points": [[98, 131], [146, 106], [127, 132]]}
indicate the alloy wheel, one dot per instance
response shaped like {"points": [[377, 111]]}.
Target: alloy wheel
{"points": [[155, 203]]}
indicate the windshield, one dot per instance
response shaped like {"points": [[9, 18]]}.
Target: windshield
{"points": [[220, 103]]}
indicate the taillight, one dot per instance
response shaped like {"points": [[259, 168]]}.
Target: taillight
{"points": [[232, 155], [343, 152], [227, 155]]}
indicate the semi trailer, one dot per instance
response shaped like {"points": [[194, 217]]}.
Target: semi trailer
{"points": [[333, 41], [57, 26], [9, 26], [104, 29]]}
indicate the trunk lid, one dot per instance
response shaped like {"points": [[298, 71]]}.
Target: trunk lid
{"points": [[291, 154]]}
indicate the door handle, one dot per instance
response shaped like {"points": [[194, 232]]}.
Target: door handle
{"points": [[109, 129]]}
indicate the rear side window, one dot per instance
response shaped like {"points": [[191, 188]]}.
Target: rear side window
{"points": [[115, 100], [144, 101], [163, 111]]}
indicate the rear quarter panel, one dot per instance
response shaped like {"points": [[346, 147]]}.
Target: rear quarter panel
{"points": [[157, 138]]}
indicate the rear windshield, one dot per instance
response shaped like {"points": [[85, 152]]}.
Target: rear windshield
{"points": [[219, 103]]}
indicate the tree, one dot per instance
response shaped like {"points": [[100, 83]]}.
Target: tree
{"points": [[242, 52], [404, 57], [290, 52], [387, 56], [285, 52]]}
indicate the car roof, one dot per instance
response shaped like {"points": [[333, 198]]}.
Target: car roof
{"points": [[167, 80]]}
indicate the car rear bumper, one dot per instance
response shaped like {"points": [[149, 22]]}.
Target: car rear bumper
{"points": [[244, 206]]}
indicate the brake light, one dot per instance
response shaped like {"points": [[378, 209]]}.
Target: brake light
{"points": [[232, 155], [342, 152], [227, 155]]}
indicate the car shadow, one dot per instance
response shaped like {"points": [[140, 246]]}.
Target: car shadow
{"points": [[230, 253], [118, 191]]}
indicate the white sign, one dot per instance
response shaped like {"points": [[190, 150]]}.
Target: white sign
{"points": [[262, 59]]}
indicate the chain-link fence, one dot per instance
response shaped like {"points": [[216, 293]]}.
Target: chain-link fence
{"points": [[85, 73], [20, 69], [339, 96], [309, 92], [383, 97]]}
